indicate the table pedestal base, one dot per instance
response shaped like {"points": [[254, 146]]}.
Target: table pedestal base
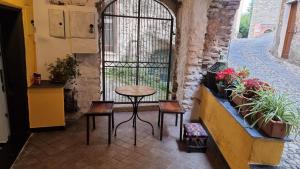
{"points": [[134, 117]]}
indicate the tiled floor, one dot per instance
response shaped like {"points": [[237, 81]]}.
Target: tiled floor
{"points": [[67, 149]]}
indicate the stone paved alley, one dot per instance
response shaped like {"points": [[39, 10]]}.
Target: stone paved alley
{"points": [[285, 77]]}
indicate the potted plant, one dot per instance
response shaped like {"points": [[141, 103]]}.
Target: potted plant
{"points": [[224, 79], [274, 114], [63, 70], [238, 98], [254, 85], [210, 78], [244, 91]]}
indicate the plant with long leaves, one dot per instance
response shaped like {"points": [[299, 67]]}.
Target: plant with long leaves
{"points": [[274, 106]]}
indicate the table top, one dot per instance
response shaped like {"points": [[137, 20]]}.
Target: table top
{"points": [[135, 91]]}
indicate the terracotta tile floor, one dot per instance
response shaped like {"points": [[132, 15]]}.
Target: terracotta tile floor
{"points": [[67, 149]]}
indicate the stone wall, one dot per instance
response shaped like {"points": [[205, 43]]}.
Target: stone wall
{"points": [[221, 15], [200, 41], [191, 31], [87, 85], [265, 15]]}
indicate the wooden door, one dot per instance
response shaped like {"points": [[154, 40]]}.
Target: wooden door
{"points": [[290, 31]]}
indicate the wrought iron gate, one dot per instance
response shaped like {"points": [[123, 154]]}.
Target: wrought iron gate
{"points": [[136, 47]]}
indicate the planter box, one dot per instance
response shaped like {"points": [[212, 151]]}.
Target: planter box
{"points": [[276, 129], [234, 137]]}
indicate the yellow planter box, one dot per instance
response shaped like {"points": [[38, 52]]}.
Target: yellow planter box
{"points": [[240, 144], [46, 105]]}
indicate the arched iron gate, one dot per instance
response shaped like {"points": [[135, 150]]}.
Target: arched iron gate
{"points": [[136, 47]]}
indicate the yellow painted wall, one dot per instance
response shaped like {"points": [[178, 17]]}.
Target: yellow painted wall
{"points": [[27, 13], [47, 107], [238, 147]]}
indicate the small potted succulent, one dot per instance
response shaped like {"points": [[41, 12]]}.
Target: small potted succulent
{"points": [[274, 114], [63, 70]]}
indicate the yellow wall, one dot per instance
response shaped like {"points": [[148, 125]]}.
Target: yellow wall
{"points": [[238, 147], [47, 107], [27, 12]]}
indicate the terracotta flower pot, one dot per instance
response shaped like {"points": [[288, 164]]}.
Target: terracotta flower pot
{"points": [[276, 129], [239, 100]]}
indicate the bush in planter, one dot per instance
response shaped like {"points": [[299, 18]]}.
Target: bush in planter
{"points": [[224, 79], [63, 70], [229, 78], [238, 98], [274, 114], [244, 91], [210, 78], [254, 85]]}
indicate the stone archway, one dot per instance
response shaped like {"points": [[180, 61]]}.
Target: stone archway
{"points": [[203, 32]]}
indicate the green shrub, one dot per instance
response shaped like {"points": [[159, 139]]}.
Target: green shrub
{"points": [[245, 25], [245, 22]]}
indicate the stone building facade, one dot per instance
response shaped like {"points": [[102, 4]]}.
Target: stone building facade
{"points": [[281, 32], [203, 32], [265, 15]]}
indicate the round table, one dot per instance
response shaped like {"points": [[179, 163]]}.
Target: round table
{"points": [[135, 94]]}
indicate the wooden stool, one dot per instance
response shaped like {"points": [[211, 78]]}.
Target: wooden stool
{"points": [[100, 108], [169, 107], [195, 136]]}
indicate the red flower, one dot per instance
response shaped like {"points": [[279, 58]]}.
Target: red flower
{"points": [[226, 75], [256, 84]]}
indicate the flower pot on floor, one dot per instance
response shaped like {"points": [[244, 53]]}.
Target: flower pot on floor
{"points": [[276, 129]]}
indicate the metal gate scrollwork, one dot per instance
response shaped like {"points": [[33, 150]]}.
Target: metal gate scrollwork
{"points": [[136, 47]]}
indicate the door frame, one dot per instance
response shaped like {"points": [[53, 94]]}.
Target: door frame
{"points": [[285, 22], [14, 65]]}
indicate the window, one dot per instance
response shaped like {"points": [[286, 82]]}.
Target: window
{"points": [[109, 30]]}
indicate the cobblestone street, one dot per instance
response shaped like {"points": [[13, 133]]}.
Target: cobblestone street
{"points": [[285, 77]]}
